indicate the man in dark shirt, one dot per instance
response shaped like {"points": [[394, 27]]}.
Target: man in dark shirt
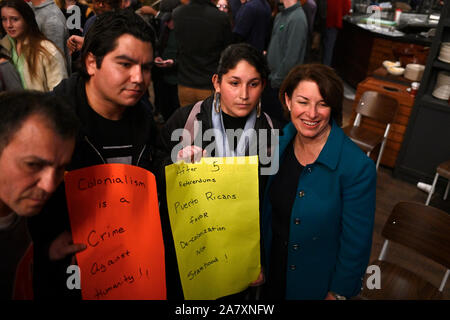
{"points": [[37, 138], [117, 56], [201, 32], [252, 23]]}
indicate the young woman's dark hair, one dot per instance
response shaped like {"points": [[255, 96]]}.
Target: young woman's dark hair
{"points": [[32, 48], [107, 28], [234, 53], [330, 86]]}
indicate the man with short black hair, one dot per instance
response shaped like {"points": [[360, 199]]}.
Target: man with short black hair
{"points": [[116, 61], [37, 138]]}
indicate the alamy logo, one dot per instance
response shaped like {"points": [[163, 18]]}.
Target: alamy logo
{"points": [[373, 281], [261, 142], [74, 20], [375, 17], [74, 280]]}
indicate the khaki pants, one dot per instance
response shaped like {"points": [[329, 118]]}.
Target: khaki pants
{"points": [[187, 95]]}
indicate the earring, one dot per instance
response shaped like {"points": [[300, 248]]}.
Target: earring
{"points": [[216, 102], [258, 109]]}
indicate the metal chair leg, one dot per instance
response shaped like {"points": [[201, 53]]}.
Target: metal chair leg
{"points": [[444, 280], [432, 189], [446, 190], [383, 250], [380, 154]]}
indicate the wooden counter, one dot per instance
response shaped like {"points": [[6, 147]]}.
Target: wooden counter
{"points": [[398, 127], [359, 52]]}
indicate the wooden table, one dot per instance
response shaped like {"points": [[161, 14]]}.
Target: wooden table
{"points": [[398, 127]]}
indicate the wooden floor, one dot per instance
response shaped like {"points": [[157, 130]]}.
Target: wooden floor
{"points": [[389, 192]]}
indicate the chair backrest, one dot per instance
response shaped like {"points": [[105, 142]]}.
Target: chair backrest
{"points": [[422, 228], [377, 106]]}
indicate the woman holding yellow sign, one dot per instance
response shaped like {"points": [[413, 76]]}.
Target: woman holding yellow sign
{"points": [[319, 208], [230, 123]]}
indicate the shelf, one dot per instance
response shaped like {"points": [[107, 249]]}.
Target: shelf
{"points": [[434, 103], [422, 149], [441, 65]]}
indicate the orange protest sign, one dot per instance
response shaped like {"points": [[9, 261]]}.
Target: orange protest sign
{"points": [[113, 209]]}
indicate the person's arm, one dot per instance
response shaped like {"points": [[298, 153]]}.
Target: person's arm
{"points": [[148, 10], [63, 246], [75, 43], [358, 212], [160, 63]]}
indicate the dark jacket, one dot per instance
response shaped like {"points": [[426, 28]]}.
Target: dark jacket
{"points": [[50, 277], [202, 32]]}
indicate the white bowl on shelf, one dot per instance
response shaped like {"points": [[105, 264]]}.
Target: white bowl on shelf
{"points": [[387, 64], [396, 71], [442, 92], [443, 78], [444, 58], [444, 53]]}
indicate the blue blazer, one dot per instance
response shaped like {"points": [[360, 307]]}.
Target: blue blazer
{"points": [[331, 221]]}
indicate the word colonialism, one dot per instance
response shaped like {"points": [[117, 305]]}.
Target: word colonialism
{"points": [[89, 183]]}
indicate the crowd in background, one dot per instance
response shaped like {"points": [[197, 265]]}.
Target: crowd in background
{"points": [[236, 64], [47, 48]]}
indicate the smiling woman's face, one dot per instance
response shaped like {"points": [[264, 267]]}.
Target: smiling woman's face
{"points": [[240, 89], [309, 112], [13, 22]]}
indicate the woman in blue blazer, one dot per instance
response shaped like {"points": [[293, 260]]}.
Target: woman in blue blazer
{"points": [[319, 208]]}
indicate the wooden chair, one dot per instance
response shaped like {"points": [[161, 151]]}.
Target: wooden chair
{"points": [[424, 229], [380, 108], [444, 170]]}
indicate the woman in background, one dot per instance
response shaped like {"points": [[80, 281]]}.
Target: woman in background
{"points": [[40, 64], [319, 208]]}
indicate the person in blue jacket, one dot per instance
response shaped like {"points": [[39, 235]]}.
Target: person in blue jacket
{"points": [[319, 208]]}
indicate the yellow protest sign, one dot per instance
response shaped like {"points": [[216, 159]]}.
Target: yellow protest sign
{"points": [[113, 209], [214, 216]]}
